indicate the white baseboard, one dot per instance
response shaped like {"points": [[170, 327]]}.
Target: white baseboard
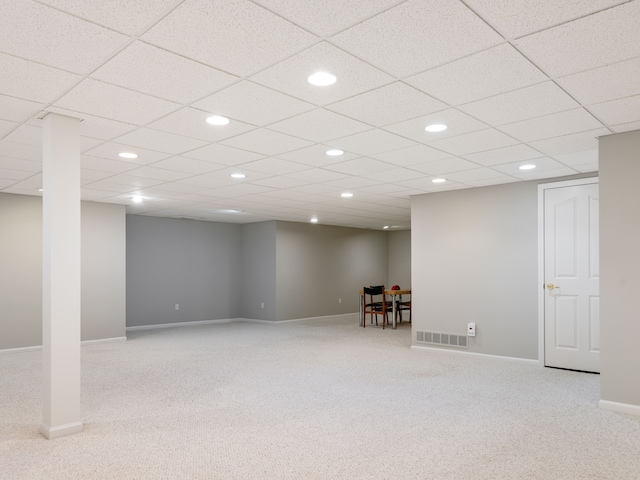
{"points": [[182, 324], [620, 407], [475, 354], [83, 342], [325, 317], [60, 431]]}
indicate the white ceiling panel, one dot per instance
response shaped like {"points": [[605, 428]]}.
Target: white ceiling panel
{"points": [[106, 165], [160, 141], [570, 143], [555, 125], [574, 159], [389, 104], [274, 166], [515, 19], [408, 156], [319, 126], [252, 103], [266, 142], [234, 36], [47, 36], [15, 109], [396, 40], [606, 37], [223, 154], [458, 123], [485, 74], [20, 150], [353, 76], [488, 139], [391, 175], [447, 165], [529, 102], [476, 175], [191, 122], [316, 156], [111, 151], [626, 127], [329, 16], [21, 164], [614, 81], [151, 70], [542, 164], [187, 165], [117, 103], [158, 173], [372, 142], [619, 111], [360, 166], [512, 153], [316, 175], [6, 127]]}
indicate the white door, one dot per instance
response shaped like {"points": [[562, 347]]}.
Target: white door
{"points": [[572, 278]]}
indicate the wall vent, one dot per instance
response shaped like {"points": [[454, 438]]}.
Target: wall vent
{"points": [[442, 339]]}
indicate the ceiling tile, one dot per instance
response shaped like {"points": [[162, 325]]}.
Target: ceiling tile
{"points": [[542, 164], [6, 127], [481, 140], [151, 70], [158, 173], [319, 125], [606, 83], [160, 141], [514, 19], [20, 150], [191, 122], [252, 103], [625, 127], [397, 39], [194, 30], [392, 175], [618, 111], [389, 104], [512, 153], [316, 175], [187, 165], [574, 159], [372, 142], [447, 165], [353, 75], [360, 166], [405, 157], [322, 18], [266, 142], [222, 154], [50, 37], [475, 175], [125, 17], [20, 164], [16, 109], [105, 165], [570, 143], [92, 126], [33, 83], [555, 125], [529, 102], [280, 182], [458, 123], [485, 74], [274, 166], [116, 103], [608, 37], [110, 150]]}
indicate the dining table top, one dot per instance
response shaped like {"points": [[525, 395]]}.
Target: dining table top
{"points": [[393, 292]]}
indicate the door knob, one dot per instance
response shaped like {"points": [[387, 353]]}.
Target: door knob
{"points": [[551, 286]]}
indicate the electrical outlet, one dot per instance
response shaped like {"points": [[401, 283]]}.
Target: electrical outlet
{"points": [[339, 300], [177, 306], [471, 329], [261, 304]]}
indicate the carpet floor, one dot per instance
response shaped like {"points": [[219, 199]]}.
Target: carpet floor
{"points": [[311, 400]]}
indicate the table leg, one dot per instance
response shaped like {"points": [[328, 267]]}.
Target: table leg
{"points": [[360, 314], [393, 308]]}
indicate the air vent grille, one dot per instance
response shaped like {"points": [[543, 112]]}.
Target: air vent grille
{"points": [[442, 339]]}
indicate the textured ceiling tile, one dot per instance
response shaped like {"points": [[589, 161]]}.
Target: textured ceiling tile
{"points": [[529, 102], [494, 71], [92, 126], [222, 154], [235, 36], [578, 158], [187, 165], [274, 166], [253, 103], [117, 103], [458, 124], [481, 140], [447, 165], [126, 17], [603, 38], [605, 83], [474, 175], [328, 16], [555, 125], [570, 143], [16, 109], [266, 142], [319, 125], [110, 150], [315, 175], [515, 19], [360, 166], [397, 39], [19, 150], [40, 33], [513, 153], [191, 122], [411, 155], [6, 126], [33, 82], [160, 141], [151, 70], [626, 127], [619, 111], [392, 175], [353, 75], [389, 104], [315, 155], [372, 142]]}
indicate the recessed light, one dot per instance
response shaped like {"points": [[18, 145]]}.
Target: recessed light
{"points": [[41, 189], [527, 167], [335, 152], [231, 211], [439, 180], [136, 199], [313, 220], [218, 120], [435, 127], [237, 175], [322, 79], [346, 195], [386, 227], [127, 155]]}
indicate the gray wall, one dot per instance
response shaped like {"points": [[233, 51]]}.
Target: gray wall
{"points": [[259, 271], [319, 264], [196, 265], [103, 271], [620, 267], [475, 259], [399, 259]]}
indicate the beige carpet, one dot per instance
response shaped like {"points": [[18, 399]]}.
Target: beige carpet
{"points": [[312, 400]]}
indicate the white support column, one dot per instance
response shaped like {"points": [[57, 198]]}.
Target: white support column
{"points": [[61, 276]]}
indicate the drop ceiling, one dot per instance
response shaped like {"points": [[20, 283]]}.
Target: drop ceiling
{"points": [[532, 82]]}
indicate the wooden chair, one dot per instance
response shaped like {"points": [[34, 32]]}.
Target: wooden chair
{"points": [[377, 305]]}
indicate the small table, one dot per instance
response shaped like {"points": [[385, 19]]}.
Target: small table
{"points": [[393, 294]]}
